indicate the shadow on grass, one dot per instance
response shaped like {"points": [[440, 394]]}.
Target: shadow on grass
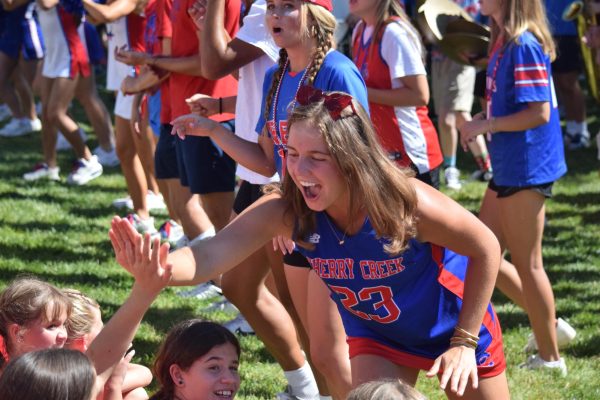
{"points": [[589, 347]]}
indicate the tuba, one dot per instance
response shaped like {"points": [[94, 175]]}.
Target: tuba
{"points": [[458, 36], [581, 12]]}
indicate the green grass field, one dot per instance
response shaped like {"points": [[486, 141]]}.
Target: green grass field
{"points": [[59, 233]]}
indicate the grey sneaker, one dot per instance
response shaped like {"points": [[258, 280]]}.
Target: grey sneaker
{"points": [[203, 291], [107, 158]]}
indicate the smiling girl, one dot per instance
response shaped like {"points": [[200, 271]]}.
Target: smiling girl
{"points": [[304, 32], [413, 292], [32, 317], [198, 361]]}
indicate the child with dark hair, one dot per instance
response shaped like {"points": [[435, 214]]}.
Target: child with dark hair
{"points": [[197, 358]]}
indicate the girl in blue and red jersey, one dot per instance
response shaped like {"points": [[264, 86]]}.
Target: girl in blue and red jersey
{"points": [[388, 52], [527, 153], [304, 31], [413, 291]]}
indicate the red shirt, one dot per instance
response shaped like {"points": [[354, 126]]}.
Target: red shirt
{"points": [[185, 43], [164, 30]]}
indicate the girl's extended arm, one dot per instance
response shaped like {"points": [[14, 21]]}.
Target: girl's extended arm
{"points": [[152, 273], [414, 93], [444, 222], [207, 259], [226, 56]]}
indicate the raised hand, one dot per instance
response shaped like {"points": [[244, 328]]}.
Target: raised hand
{"points": [[193, 125]]}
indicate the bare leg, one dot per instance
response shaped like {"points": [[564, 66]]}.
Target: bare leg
{"points": [[7, 89], [145, 145], [522, 218], [187, 206], [567, 85], [87, 94], [23, 82], [244, 287], [494, 388], [448, 133], [328, 346], [218, 207], [367, 368], [131, 167]]}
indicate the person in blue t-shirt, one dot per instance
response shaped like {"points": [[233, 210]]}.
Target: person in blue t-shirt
{"points": [[307, 58], [526, 148], [411, 271]]}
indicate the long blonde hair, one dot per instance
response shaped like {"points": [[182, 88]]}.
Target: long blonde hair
{"points": [[387, 9], [373, 181], [316, 22], [520, 16]]}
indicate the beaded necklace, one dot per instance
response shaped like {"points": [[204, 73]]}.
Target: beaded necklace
{"points": [[276, 97]]}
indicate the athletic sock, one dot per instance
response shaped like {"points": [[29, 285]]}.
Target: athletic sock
{"points": [[321, 397], [449, 161], [483, 161], [204, 235], [302, 382]]}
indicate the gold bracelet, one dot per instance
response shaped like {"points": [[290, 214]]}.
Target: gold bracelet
{"points": [[464, 333], [463, 342], [459, 339]]}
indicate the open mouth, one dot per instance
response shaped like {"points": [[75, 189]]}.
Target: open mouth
{"points": [[310, 190], [224, 394], [277, 30]]}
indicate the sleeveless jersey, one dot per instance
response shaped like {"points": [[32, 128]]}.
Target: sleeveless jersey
{"points": [[408, 302], [406, 133]]}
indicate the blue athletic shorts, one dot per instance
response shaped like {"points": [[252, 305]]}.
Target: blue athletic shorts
{"points": [[20, 32], [203, 166], [154, 112], [165, 156]]}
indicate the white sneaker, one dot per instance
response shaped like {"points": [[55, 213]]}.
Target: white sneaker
{"points": [[240, 326], [537, 362], [84, 171], [452, 176], [222, 306], [286, 394], [565, 334], [155, 201], [203, 291], [107, 158], [5, 112], [34, 125], [63, 144], [42, 171], [123, 202], [143, 225], [170, 231], [16, 127], [577, 140]]}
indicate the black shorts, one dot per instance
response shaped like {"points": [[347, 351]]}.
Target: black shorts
{"points": [[545, 189], [480, 80], [203, 166], [165, 156], [568, 55], [432, 178], [296, 259], [247, 194]]}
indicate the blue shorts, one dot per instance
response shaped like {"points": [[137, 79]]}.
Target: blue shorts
{"points": [[165, 155], [203, 166], [20, 32], [154, 112], [94, 44]]}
